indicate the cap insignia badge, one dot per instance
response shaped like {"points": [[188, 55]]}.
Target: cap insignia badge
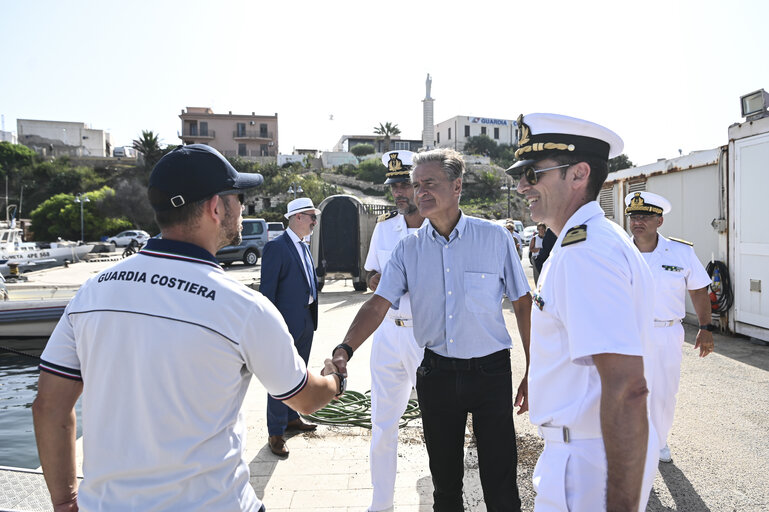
{"points": [[395, 163], [523, 131]]}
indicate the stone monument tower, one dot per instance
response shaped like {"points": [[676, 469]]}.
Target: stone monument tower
{"points": [[428, 124]]}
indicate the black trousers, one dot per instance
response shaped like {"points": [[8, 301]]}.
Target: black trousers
{"points": [[448, 390]]}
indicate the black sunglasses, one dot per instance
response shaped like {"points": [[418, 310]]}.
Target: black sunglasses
{"points": [[241, 197], [530, 172], [312, 216]]}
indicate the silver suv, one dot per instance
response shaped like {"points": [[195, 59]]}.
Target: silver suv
{"points": [[250, 249]]}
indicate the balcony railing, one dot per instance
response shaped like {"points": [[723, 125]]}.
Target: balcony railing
{"points": [[249, 153], [251, 134], [197, 134]]}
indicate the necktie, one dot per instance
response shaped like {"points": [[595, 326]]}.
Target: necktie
{"points": [[310, 271]]}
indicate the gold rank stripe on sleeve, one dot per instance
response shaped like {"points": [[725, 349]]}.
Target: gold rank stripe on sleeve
{"points": [[681, 241], [575, 235], [387, 216]]}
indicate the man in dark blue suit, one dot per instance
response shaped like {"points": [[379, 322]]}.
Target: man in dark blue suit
{"points": [[289, 281]]}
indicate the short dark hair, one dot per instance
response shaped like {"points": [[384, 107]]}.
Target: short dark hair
{"points": [[185, 214], [599, 170]]}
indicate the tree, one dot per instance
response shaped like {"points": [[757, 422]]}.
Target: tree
{"points": [[362, 149], [149, 146], [620, 162], [480, 145], [59, 216], [14, 156], [372, 170], [387, 130]]}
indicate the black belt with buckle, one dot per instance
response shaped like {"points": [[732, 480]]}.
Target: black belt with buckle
{"points": [[451, 363]]}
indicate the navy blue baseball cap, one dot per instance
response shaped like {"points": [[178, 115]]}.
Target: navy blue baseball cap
{"points": [[195, 172]]}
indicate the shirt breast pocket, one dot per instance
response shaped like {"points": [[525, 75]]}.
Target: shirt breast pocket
{"points": [[483, 292]]}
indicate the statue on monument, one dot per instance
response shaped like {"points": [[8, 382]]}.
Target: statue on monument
{"points": [[428, 83]]}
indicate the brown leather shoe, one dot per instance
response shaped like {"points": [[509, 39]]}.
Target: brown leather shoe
{"points": [[301, 425], [278, 446]]}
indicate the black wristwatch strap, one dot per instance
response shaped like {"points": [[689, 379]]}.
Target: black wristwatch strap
{"points": [[344, 346], [709, 327], [342, 383]]}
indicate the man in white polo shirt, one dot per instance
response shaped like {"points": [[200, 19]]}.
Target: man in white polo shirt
{"points": [[162, 347]]}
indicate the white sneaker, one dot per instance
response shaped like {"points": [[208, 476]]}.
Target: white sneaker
{"points": [[665, 454]]}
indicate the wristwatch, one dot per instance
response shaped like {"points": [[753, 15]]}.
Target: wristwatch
{"points": [[344, 346], [342, 383], [709, 327]]}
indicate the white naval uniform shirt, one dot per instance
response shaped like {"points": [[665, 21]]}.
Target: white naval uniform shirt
{"points": [[592, 298], [165, 343], [386, 236], [676, 269]]}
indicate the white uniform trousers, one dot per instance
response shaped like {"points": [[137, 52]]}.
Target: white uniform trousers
{"points": [[668, 353], [571, 477], [395, 357]]}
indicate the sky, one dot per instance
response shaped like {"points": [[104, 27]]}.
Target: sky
{"points": [[665, 75]]}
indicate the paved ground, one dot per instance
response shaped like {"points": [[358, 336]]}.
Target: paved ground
{"points": [[720, 439]]}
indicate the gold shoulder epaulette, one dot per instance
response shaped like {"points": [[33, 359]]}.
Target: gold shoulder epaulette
{"points": [[575, 235], [680, 241], [387, 216]]}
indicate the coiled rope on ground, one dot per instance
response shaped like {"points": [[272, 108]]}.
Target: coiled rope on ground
{"points": [[354, 409]]}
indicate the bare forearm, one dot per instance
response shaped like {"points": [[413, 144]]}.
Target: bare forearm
{"points": [[318, 392], [56, 435], [366, 321], [625, 434], [624, 427], [522, 308], [701, 303]]}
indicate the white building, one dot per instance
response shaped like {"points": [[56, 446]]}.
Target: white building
{"points": [[8, 137], [454, 132], [57, 138]]}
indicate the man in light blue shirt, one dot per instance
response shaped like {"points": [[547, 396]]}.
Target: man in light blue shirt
{"points": [[456, 270]]}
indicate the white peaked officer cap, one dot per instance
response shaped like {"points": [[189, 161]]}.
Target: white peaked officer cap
{"points": [[398, 165], [546, 135], [646, 202]]}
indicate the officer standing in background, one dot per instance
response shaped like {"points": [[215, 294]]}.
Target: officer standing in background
{"points": [[676, 269], [395, 354], [590, 329]]}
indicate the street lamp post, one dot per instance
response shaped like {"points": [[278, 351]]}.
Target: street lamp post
{"points": [[507, 187], [82, 201], [295, 189]]}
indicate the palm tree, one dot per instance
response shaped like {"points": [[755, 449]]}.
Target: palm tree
{"points": [[149, 146], [387, 130]]}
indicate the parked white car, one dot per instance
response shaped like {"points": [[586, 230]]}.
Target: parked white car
{"points": [[275, 229], [528, 233], [123, 239]]}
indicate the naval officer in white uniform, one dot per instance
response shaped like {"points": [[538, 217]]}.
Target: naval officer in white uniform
{"points": [[590, 327], [676, 270], [395, 354]]}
